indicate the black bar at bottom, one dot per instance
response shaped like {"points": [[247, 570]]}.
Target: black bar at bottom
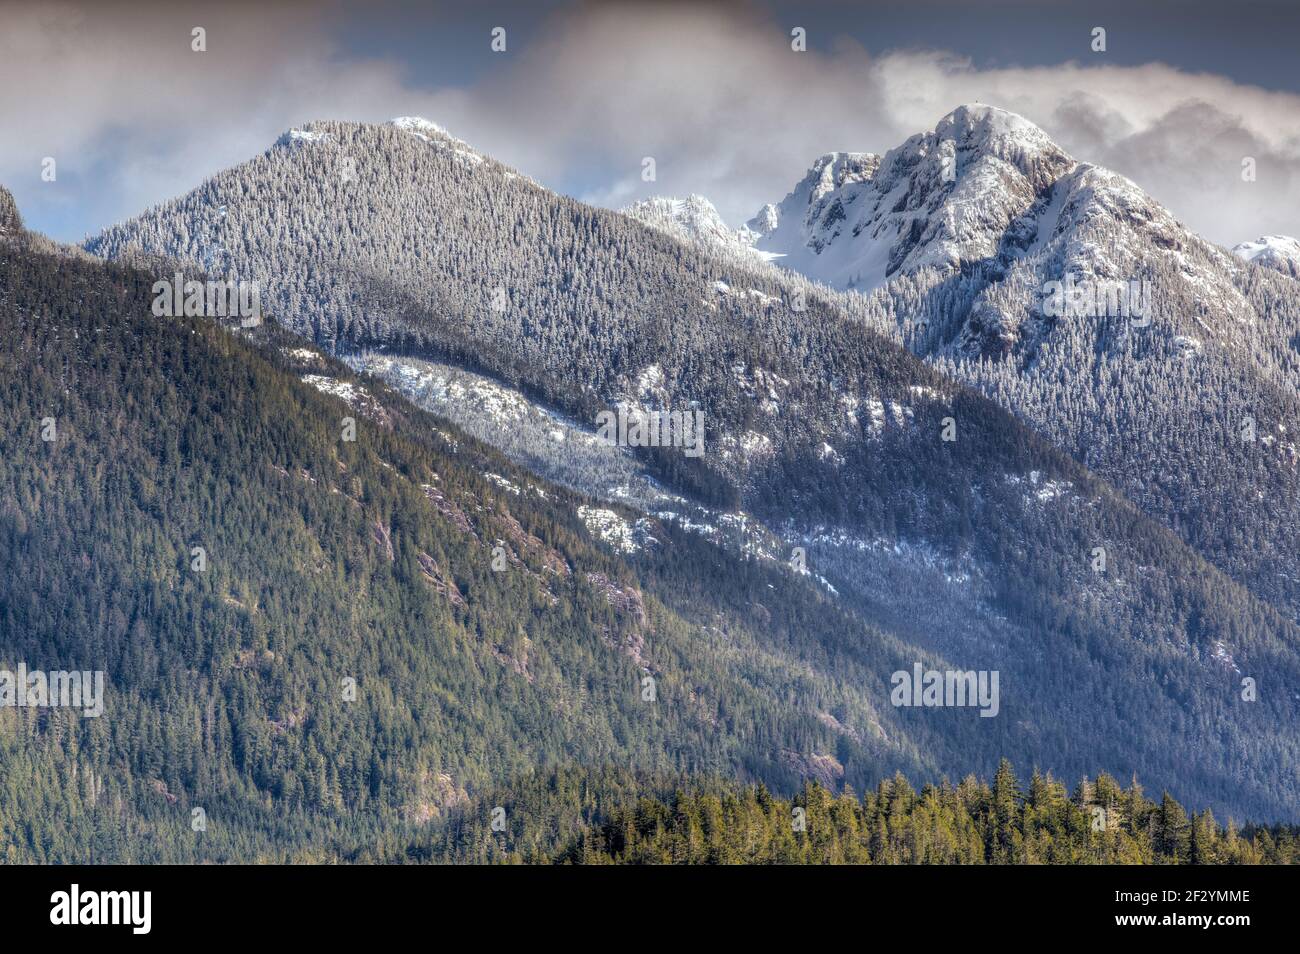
{"points": [[216, 904]]}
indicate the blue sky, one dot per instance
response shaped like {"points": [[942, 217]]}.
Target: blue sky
{"points": [[133, 116]]}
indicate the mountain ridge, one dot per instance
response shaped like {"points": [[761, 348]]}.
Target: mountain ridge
{"points": [[973, 285], [821, 428], [1278, 252], [373, 560]]}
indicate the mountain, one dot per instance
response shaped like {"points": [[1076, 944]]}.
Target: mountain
{"points": [[1278, 252], [914, 505], [942, 198], [323, 643], [1070, 297], [694, 219], [365, 566]]}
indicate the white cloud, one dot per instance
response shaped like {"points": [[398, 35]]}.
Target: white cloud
{"points": [[728, 110], [716, 96], [132, 115]]}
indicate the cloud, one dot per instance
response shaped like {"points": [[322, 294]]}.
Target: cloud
{"points": [[730, 111], [715, 94], [132, 115]]}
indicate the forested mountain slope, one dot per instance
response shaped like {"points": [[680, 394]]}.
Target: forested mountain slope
{"points": [[326, 560], [1119, 648], [953, 242], [10, 221], [580, 817]]}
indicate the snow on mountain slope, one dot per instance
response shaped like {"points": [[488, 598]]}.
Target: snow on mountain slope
{"points": [[1063, 291], [804, 226], [547, 442], [985, 189], [1278, 252], [816, 427], [301, 137], [695, 219], [1123, 255], [940, 198], [961, 236], [430, 132]]}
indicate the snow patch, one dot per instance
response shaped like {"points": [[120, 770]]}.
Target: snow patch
{"points": [[346, 390], [609, 527]]}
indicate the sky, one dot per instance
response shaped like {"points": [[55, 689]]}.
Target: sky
{"points": [[131, 115]]}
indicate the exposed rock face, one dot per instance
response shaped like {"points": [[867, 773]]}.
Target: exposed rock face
{"points": [[436, 794], [826, 769], [439, 580]]}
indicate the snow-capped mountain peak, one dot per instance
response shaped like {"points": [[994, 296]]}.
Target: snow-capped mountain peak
{"points": [[830, 172], [942, 197], [301, 135], [694, 216], [988, 201], [423, 127], [977, 131], [436, 136], [1278, 252], [696, 220]]}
